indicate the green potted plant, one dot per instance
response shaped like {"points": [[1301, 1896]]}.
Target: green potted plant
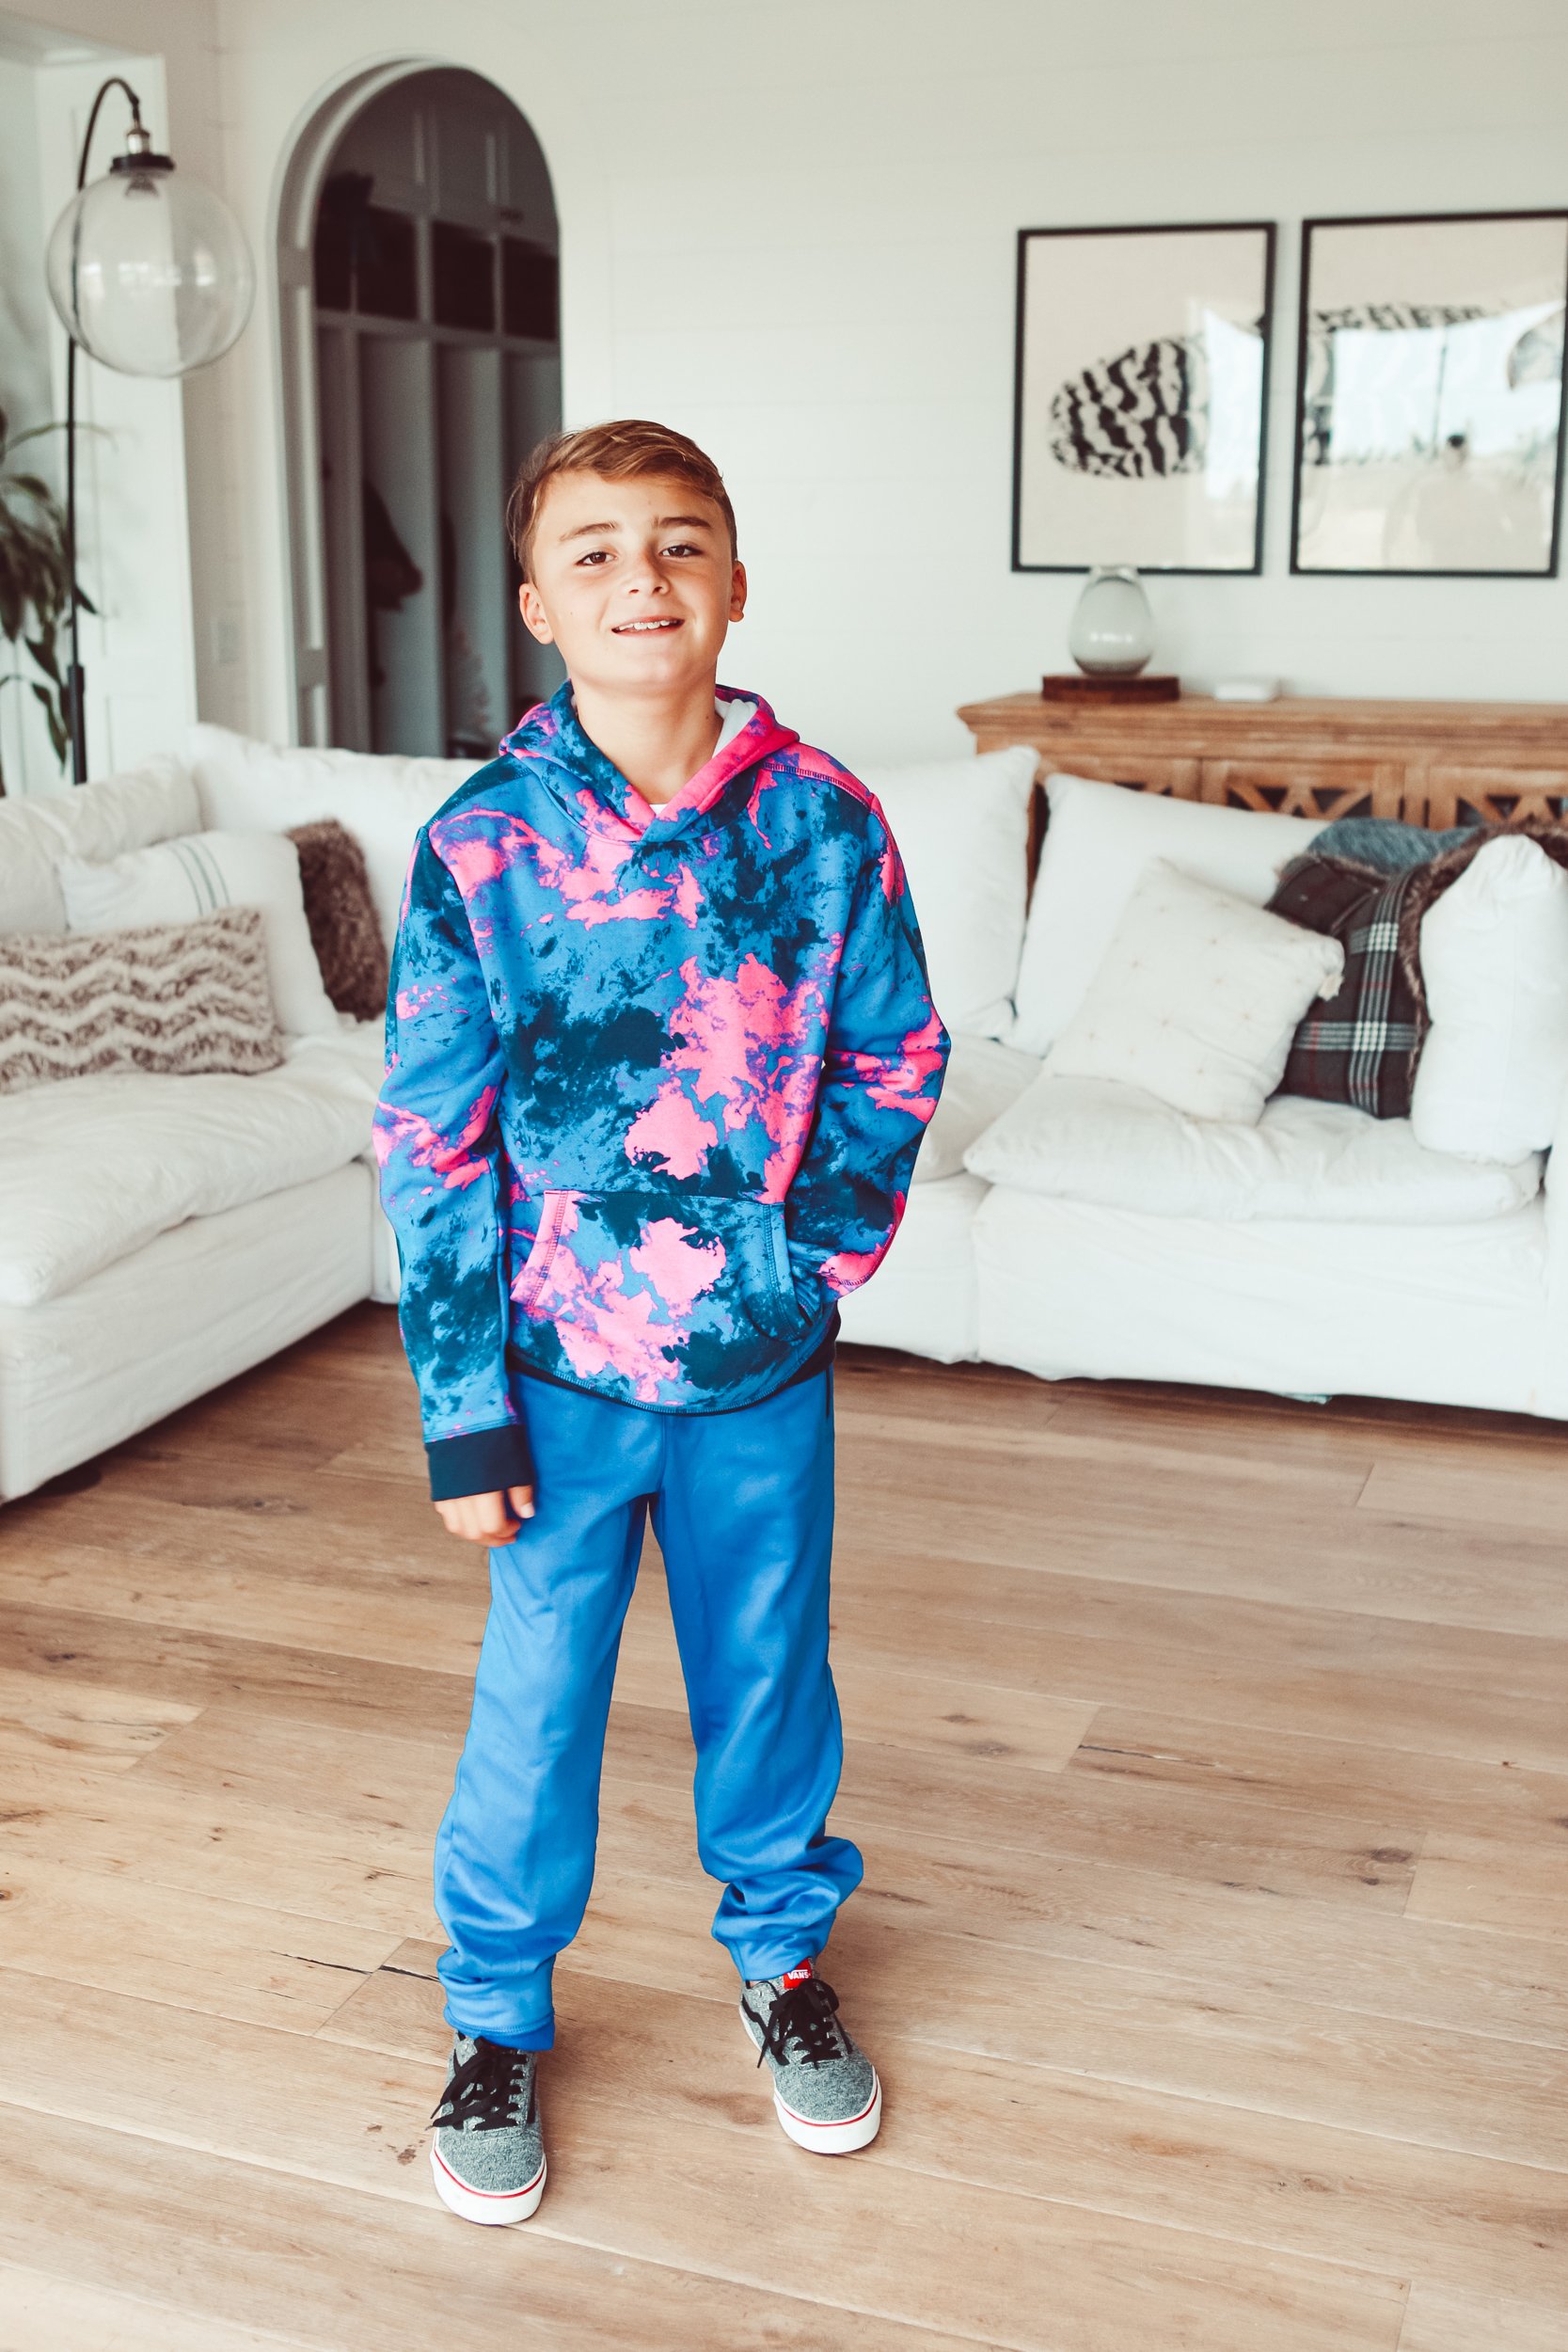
{"points": [[35, 583]]}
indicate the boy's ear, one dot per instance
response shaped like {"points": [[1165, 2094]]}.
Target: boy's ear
{"points": [[535, 619], [738, 593]]}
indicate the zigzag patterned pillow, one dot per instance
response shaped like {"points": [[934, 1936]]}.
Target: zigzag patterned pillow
{"points": [[174, 998]]}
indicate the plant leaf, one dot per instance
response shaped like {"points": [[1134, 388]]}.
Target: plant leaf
{"points": [[59, 733]]}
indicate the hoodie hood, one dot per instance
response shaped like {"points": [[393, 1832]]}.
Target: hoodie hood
{"points": [[599, 799]]}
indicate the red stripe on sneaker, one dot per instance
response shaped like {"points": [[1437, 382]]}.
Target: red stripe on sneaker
{"points": [[498, 2195], [817, 2124]]}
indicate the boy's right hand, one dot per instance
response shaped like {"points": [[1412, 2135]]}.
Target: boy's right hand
{"points": [[488, 1519]]}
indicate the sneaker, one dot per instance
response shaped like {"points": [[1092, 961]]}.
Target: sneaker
{"points": [[825, 2088], [488, 2152]]}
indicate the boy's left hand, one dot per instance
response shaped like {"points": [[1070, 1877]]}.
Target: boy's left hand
{"points": [[491, 1519]]}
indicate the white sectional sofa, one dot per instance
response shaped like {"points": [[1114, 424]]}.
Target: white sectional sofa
{"points": [[1396, 1273], [159, 1235]]}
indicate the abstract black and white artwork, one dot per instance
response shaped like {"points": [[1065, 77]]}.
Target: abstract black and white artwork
{"points": [[1140, 391], [1429, 407]]}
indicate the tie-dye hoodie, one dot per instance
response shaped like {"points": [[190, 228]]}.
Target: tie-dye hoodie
{"points": [[656, 1079]]}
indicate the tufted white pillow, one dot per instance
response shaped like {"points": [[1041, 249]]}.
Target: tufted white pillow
{"points": [[1198, 998], [1099, 839]]}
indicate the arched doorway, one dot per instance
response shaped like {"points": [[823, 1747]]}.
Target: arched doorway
{"points": [[417, 260]]}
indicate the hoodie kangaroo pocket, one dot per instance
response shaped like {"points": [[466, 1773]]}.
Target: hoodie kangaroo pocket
{"points": [[637, 1278]]}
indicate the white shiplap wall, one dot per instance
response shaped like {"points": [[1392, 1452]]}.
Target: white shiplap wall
{"points": [[789, 230]]}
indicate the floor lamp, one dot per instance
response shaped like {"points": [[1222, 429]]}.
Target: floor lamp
{"points": [[150, 274]]}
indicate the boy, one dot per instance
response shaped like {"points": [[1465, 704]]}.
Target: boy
{"points": [[661, 1051]]}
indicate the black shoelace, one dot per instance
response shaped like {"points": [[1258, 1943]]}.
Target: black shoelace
{"points": [[804, 2014], [485, 2092]]}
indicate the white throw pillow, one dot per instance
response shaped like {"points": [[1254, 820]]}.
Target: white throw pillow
{"points": [[1494, 965], [1091, 1139], [1198, 998], [382, 800], [981, 1079], [178, 882], [1099, 839], [962, 829], [152, 802]]}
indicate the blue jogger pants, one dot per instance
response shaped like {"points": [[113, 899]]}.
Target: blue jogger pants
{"points": [[742, 1508]]}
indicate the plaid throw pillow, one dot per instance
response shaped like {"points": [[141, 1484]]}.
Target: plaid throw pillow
{"points": [[1362, 1044]]}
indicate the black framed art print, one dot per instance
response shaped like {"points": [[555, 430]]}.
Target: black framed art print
{"points": [[1140, 391], [1428, 395]]}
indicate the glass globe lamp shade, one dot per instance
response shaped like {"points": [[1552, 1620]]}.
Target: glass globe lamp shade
{"points": [[150, 271]]}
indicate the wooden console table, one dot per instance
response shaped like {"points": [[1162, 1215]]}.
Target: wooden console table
{"points": [[1433, 764]]}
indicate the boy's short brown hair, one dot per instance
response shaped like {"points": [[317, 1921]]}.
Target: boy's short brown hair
{"points": [[629, 447]]}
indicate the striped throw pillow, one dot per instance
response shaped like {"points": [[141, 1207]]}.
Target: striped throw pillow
{"points": [[175, 998]]}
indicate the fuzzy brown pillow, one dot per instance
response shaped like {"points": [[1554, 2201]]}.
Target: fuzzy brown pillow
{"points": [[345, 931]]}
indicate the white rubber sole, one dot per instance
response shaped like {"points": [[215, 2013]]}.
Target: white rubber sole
{"points": [[834, 2139], [493, 2207]]}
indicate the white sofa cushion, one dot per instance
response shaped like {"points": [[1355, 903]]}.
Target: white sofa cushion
{"points": [[201, 1303], [1495, 965], [180, 881], [1455, 1314], [1196, 999], [962, 829], [1099, 839], [93, 1168], [1091, 1139], [981, 1079], [382, 800], [97, 821]]}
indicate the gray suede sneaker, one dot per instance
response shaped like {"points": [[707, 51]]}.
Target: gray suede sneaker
{"points": [[488, 2154], [825, 2088]]}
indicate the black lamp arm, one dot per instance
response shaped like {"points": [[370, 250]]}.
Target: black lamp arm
{"points": [[75, 682], [116, 81]]}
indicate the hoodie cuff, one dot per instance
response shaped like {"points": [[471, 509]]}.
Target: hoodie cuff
{"points": [[482, 1462]]}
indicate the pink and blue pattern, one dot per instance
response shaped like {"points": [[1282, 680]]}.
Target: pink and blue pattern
{"points": [[656, 1078]]}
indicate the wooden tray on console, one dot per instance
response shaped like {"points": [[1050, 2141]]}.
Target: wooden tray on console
{"points": [[1072, 686]]}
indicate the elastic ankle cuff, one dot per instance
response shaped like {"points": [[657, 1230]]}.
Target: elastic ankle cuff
{"points": [[521, 2038]]}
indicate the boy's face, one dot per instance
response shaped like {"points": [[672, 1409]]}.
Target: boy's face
{"points": [[633, 580]]}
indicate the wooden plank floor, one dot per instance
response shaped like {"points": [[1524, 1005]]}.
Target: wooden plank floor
{"points": [[1210, 1758]]}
